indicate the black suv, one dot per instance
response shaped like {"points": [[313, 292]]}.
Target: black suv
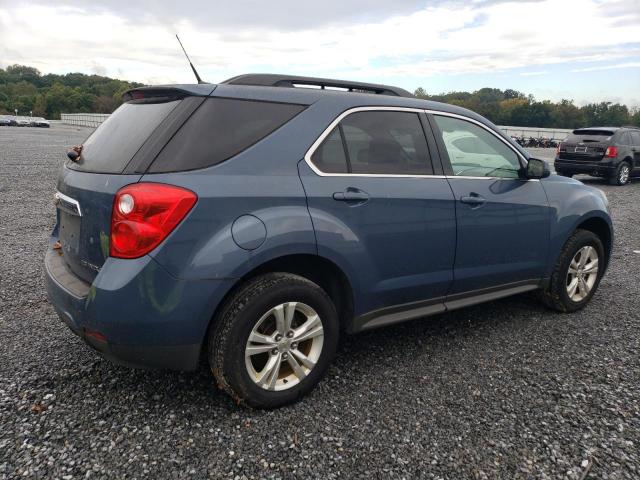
{"points": [[609, 152]]}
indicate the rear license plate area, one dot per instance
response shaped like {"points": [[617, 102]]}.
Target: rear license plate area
{"points": [[69, 232]]}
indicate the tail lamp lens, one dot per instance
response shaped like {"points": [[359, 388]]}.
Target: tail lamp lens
{"points": [[144, 214], [611, 152]]}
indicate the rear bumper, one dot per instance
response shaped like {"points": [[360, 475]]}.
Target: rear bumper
{"points": [[578, 166], [135, 313]]}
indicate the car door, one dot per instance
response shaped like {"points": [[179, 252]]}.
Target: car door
{"points": [[502, 219], [378, 210]]}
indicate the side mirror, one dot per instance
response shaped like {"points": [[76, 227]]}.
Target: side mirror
{"points": [[537, 168]]}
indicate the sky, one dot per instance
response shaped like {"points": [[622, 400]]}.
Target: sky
{"points": [[583, 50]]}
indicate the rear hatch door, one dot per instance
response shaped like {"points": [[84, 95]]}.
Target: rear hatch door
{"points": [[86, 188], [586, 145]]}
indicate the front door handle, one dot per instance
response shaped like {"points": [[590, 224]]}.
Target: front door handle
{"points": [[353, 195], [473, 199]]}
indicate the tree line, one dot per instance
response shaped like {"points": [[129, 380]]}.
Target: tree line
{"points": [[510, 107], [27, 90]]}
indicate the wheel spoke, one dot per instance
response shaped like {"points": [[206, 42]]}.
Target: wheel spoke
{"points": [[591, 267], [269, 375], [572, 287], [583, 256], [309, 329], [284, 316], [295, 366], [306, 361], [257, 349], [584, 288], [256, 337]]}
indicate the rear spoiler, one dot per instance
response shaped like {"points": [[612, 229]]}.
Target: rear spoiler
{"points": [[166, 93]]}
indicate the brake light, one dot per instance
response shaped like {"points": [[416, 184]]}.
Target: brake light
{"points": [[612, 152], [143, 214]]}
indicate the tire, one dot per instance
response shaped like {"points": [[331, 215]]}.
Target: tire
{"points": [[556, 296], [252, 310], [621, 175]]}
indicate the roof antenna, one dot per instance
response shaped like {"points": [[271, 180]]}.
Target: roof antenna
{"points": [[195, 72]]}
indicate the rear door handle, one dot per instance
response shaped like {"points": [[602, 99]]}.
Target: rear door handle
{"points": [[351, 195], [474, 200]]}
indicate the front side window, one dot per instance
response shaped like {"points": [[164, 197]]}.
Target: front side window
{"points": [[475, 152], [377, 143]]}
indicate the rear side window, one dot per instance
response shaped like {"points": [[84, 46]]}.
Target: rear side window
{"points": [[625, 138], [220, 129], [377, 143], [635, 139], [330, 156], [114, 143]]}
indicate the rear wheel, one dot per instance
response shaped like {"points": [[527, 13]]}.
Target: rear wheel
{"points": [[621, 174], [273, 340], [577, 273]]}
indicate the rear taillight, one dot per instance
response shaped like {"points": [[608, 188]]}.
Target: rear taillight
{"points": [[558, 148], [144, 214], [612, 152]]}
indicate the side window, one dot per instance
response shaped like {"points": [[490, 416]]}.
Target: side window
{"points": [[377, 142], [330, 156], [220, 129], [386, 143], [635, 139], [623, 138], [475, 152]]}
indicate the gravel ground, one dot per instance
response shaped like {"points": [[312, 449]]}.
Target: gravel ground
{"points": [[502, 390]]}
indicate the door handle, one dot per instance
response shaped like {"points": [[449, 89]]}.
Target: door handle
{"points": [[351, 195], [473, 199]]}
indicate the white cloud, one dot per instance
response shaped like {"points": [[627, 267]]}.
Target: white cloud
{"points": [[607, 67], [533, 74], [446, 39]]}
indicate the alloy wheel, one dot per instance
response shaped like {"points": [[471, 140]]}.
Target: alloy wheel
{"points": [[624, 174], [582, 274], [284, 346]]}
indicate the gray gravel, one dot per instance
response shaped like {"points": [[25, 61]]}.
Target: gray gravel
{"points": [[503, 390]]}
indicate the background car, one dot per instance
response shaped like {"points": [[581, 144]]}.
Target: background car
{"points": [[610, 152], [39, 122], [4, 121]]}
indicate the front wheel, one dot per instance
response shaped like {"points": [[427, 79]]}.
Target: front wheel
{"points": [[577, 273], [273, 340], [621, 174]]}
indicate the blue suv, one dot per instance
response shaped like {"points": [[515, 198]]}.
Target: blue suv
{"points": [[254, 222]]}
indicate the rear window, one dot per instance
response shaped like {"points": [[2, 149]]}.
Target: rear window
{"points": [[114, 143], [589, 136], [220, 129]]}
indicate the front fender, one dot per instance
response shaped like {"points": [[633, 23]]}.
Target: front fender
{"points": [[572, 204]]}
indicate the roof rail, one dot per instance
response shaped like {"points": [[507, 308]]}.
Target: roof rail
{"points": [[276, 80]]}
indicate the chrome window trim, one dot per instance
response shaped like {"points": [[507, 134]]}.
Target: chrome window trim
{"points": [[314, 146]]}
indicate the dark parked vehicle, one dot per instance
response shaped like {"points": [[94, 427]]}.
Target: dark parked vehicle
{"points": [[5, 121], [610, 152], [254, 222], [39, 122]]}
